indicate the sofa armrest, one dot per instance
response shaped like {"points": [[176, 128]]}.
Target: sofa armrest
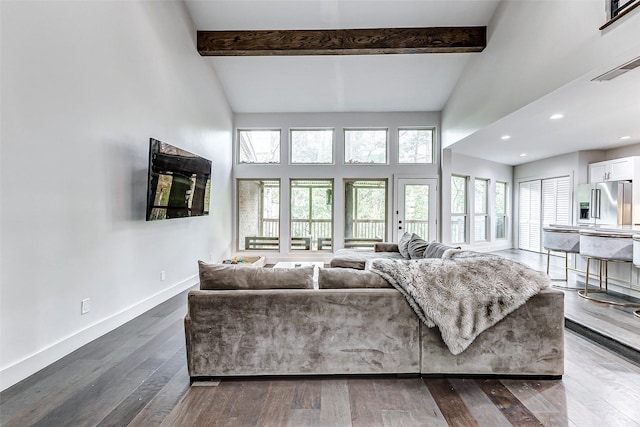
{"points": [[386, 247]]}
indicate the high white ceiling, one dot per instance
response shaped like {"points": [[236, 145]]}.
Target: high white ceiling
{"points": [[596, 114], [338, 83]]}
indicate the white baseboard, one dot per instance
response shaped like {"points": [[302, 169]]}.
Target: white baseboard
{"points": [[31, 364]]}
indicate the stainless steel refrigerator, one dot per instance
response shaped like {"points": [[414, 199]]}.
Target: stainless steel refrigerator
{"points": [[604, 203]]}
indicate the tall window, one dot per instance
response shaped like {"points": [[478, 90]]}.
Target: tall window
{"points": [[415, 146], [258, 214], [458, 209], [501, 210], [481, 218], [365, 212], [311, 214], [365, 146], [311, 146], [259, 146]]}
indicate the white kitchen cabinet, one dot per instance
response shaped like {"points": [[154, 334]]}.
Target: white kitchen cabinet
{"points": [[612, 170]]}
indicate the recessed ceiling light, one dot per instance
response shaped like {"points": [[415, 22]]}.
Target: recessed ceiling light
{"points": [[505, 137], [556, 116], [523, 155], [625, 137]]}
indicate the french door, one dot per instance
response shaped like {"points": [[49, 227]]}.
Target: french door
{"points": [[415, 207]]}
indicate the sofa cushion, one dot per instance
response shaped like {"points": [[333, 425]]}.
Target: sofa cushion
{"points": [[230, 276], [386, 247], [436, 250], [403, 244], [348, 278], [356, 258], [417, 246]]}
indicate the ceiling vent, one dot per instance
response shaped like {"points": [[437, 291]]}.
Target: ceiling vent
{"points": [[612, 74]]}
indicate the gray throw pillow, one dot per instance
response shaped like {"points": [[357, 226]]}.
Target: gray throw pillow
{"points": [[436, 250], [417, 246], [230, 276], [349, 278], [403, 244]]}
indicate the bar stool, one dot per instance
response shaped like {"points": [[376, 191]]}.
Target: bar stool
{"points": [[605, 246], [564, 239]]}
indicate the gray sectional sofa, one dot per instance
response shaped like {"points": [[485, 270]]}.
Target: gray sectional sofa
{"points": [[261, 321]]}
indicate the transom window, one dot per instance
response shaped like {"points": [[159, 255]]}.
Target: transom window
{"points": [[365, 146], [311, 214], [311, 146], [259, 146], [415, 146]]}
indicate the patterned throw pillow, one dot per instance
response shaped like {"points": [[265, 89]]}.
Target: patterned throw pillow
{"points": [[417, 246], [436, 250]]}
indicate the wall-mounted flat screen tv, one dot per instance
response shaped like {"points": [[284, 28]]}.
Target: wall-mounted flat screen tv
{"points": [[179, 183]]}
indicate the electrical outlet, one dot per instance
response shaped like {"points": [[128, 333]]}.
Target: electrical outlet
{"points": [[85, 306], [163, 275]]}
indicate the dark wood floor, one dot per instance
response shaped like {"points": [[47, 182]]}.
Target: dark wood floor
{"points": [[136, 375]]}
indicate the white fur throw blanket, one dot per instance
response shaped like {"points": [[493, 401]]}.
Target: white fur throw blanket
{"points": [[463, 293]]}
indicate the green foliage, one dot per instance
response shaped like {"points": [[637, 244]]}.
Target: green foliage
{"points": [[365, 146], [415, 146], [312, 146]]}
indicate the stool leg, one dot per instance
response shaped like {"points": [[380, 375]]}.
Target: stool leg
{"points": [[600, 275], [566, 267], [586, 279], [548, 260], [606, 276]]}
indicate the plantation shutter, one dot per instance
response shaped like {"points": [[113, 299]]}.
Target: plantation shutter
{"points": [[529, 215], [556, 201]]}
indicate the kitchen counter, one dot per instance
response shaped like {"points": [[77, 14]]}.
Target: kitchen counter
{"points": [[623, 229]]}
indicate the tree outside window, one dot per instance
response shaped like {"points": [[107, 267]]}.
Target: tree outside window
{"points": [[501, 210], [365, 211], [311, 213], [481, 219], [415, 146], [458, 209], [368, 146], [311, 146]]}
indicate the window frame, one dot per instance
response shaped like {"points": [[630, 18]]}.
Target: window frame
{"points": [[465, 214], [432, 151], [484, 214], [386, 205], [238, 150], [333, 145], [310, 218], [344, 143], [240, 243], [505, 217]]}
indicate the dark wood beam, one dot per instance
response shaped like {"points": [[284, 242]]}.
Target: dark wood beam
{"points": [[342, 42]]}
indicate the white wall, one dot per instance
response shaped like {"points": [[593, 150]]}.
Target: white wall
{"points": [[532, 51], [339, 170], [84, 87], [458, 164], [618, 153]]}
